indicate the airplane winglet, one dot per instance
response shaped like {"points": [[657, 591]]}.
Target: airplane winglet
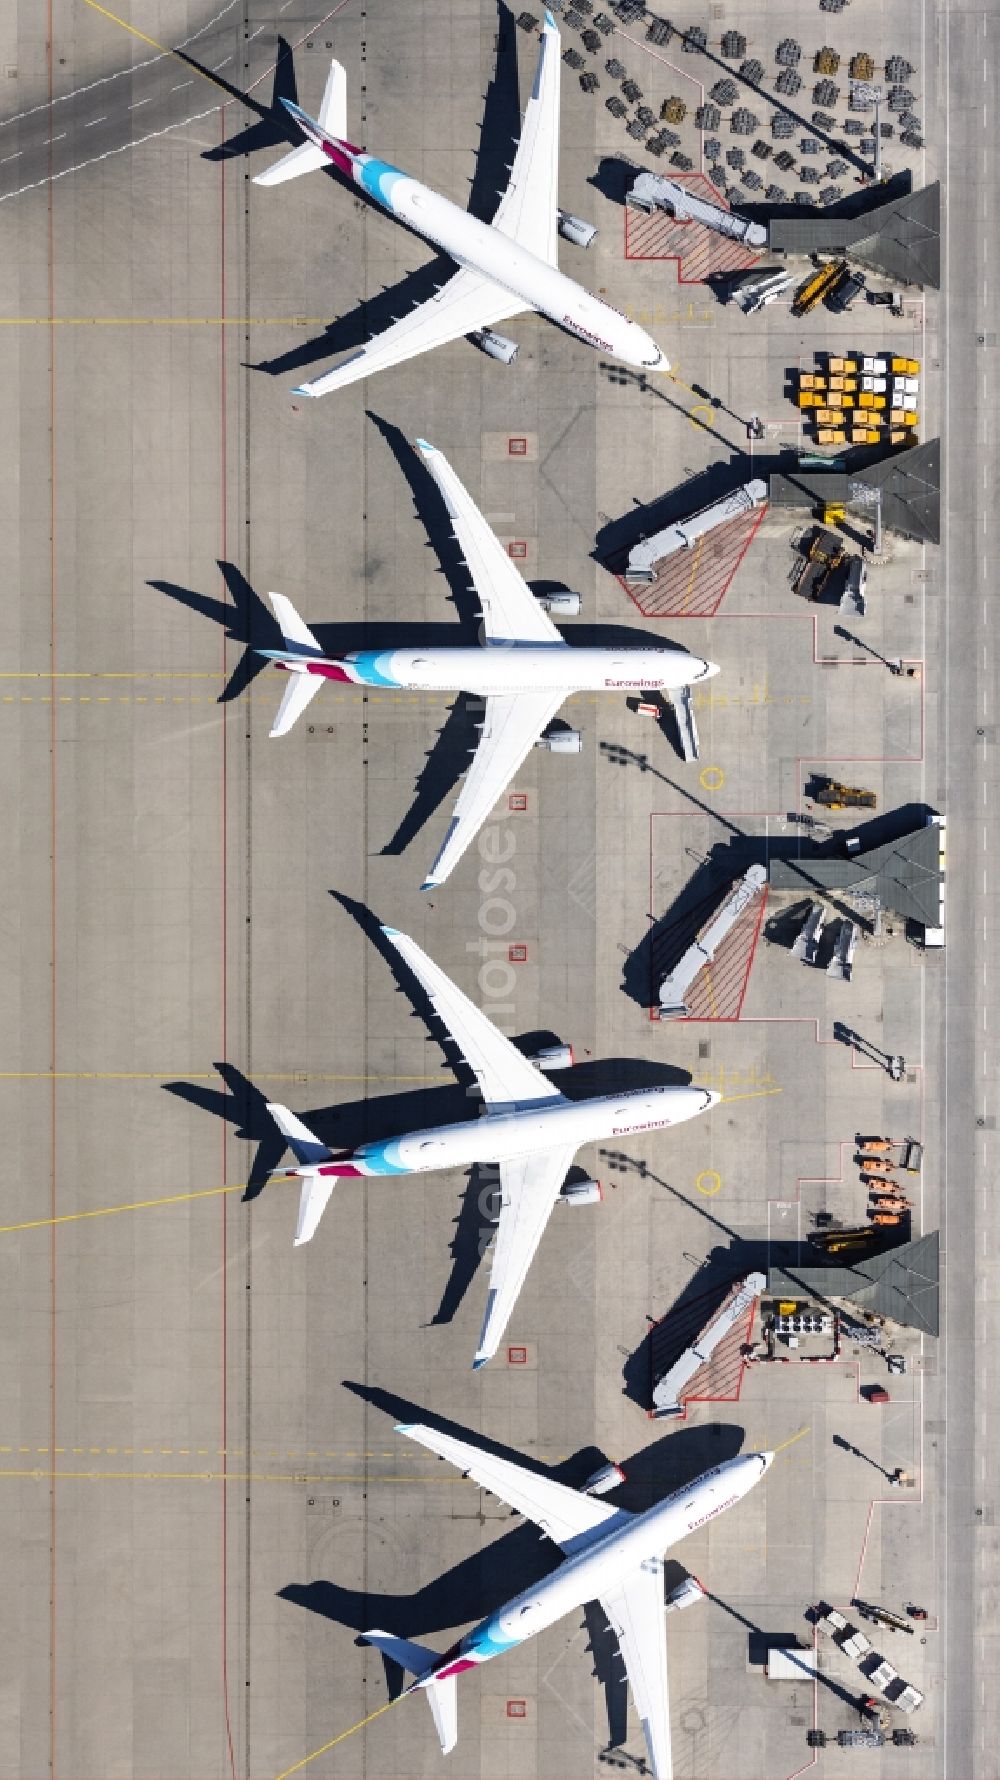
{"points": [[479, 1362], [425, 447], [391, 932], [429, 884], [302, 389]]}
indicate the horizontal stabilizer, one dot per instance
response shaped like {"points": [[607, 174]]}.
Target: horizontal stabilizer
{"points": [[308, 157], [315, 1197], [305, 1147], [299, 639], [300, 692], [442, 1696], [416, 1659], [333, 110]]}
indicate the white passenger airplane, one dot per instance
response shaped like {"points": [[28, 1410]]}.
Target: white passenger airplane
{"points": [[612, 1556], [505, 267], [529, 1128], [525, 671]]}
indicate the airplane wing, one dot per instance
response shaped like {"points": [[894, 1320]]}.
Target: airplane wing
{"points": [[465, 304], [636, 1613], [561, 1512], [511, 612], [504, 1074], [511, 727], [529, 1189], [529, 209]]}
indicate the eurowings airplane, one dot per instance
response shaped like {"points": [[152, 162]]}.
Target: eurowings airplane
{"points": [[505, 267], [611, 1556], [524, 672], [529, 1128]]}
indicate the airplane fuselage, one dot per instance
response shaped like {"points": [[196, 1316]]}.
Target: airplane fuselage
{"points": [[482, 248], [545, 1124], [517, 667], [603, 1559]]}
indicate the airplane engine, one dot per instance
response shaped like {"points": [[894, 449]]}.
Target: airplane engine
{"points": [[573, 228], [561, 741], [582, 1192], [496, 345], [564, 605], [553, 1057], [607, 1478]]}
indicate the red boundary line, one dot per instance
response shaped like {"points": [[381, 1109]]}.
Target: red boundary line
{"points": [[53, 730], [741, 258], [224, 935]]}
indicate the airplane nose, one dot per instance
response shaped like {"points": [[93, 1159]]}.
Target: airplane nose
{"points": [[710, 669], [766, 1459], [711, 1098]]}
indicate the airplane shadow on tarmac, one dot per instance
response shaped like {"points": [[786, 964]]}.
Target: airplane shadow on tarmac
{"points": [[344, 1127], [480, 1584], [499, 132], [250, 622]]}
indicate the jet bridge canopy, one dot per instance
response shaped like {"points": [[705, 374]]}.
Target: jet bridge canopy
{"points": [[900, 238]]}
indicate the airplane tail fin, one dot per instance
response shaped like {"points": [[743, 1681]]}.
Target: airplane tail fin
{"points": [[308, 1153], [332, 120], [442, 1694]]}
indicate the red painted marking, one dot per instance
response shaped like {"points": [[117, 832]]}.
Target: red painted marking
{"points": [[693, 583], [517, 1708], [700, 254], [517, 954], [720, 1380], [517, 1356], [518, 800], [517, 447], [517, 548]]}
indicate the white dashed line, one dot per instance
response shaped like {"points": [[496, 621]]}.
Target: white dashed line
{"points": [[60, 138], [96, 120], [14, 157], [134, 68], [123, 148], [136, 104], [181, 84]]}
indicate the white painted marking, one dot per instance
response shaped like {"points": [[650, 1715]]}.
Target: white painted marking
{"points": [[217, 65], [181, 84], [14, 157], [123, 148], [133, 68], [138, 102], [97, 120]]}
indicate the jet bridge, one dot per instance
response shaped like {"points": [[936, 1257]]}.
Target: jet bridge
{"points": [[702, 950], [651, 191], [740, 1302], [685, 534]]}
